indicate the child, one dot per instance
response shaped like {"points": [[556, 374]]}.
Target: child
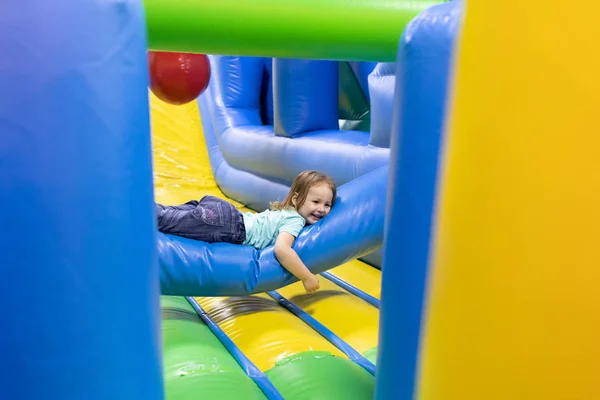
{"points": [[215, 220]]}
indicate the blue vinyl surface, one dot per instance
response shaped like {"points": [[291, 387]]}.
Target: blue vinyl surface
{"points": [[233, 106], [424, 59], [79, 291], [293, 114]]}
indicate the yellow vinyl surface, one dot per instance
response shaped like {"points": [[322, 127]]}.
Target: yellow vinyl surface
{"points": [[514, 304], [351, 318], [181, 168], [360, 275], [263, 330]]}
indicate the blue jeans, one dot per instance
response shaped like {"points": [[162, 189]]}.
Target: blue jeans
{"points": [[209, 220]]}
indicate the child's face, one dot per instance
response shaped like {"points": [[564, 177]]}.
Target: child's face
{"points": [[317, 204]]}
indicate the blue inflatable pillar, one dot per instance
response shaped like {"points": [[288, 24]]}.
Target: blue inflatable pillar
{"points": [[244, 100], [422, 71], [305, 96], [79, 290], [382, 83]]}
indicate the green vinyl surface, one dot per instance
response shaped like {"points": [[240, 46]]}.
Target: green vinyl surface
{"points": [[196, 364], [321, 376], [351, 30]]}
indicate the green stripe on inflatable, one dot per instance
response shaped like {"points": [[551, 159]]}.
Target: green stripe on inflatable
{"points": [[320, 375], [371, 355], [353, 30], [196, 364]]}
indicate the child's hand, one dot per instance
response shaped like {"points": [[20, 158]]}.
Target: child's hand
{"points": [[311, 284]]}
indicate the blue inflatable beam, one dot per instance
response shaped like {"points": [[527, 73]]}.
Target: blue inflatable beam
{"points": [[353, 228], [79, 290], [423, 63]]}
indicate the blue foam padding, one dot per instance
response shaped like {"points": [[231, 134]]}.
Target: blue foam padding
{"points": [[79, 291], [424, 60], [353, 228], [382, 82], [234, 109], [305, 96]]}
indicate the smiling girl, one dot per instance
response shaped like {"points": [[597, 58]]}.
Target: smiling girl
{"points": [[212, 220]]}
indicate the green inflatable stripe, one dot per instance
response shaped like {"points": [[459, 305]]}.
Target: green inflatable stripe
{"points": [[320, 375], [371, 355], [196, 364], [352, 30]]}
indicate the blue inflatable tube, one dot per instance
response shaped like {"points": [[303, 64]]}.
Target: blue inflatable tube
{"points": [[352, 229]]}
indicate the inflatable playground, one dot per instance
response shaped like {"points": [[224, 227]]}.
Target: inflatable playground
{"points": [[459, 261]]}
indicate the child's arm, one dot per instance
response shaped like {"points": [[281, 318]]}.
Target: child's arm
{"points": [[292, 262]]}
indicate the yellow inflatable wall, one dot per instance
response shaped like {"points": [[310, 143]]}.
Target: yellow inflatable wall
{"points": [[514, 304]]}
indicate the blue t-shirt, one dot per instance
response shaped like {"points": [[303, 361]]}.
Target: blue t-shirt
{"points": [[263, 228]]}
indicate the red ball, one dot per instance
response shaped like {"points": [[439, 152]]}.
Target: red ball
{"points": [[178, 78]]}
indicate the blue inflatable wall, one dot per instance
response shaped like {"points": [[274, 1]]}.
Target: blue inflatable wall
{"points": [[79, 290], [233, 105]]}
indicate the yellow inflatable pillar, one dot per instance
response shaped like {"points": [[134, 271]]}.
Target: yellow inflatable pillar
{"points": [[514, 295]]}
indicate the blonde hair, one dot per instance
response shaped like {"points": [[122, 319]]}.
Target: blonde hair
{"points": [[300, 187]]}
